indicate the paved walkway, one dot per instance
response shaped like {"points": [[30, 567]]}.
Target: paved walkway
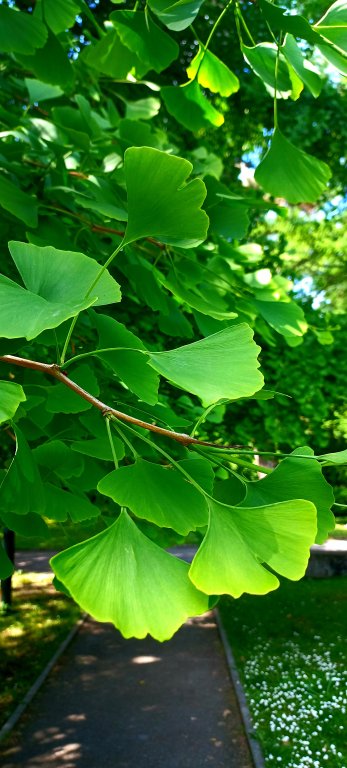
{"points": [[115, 703]]}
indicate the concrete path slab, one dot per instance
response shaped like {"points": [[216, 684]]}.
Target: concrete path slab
{"points": [[115, 703]]}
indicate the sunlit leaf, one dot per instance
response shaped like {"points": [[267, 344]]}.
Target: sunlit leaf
{"points": [[112, 58], [221, 366], [123, 577], [188, 105], [333, 25], [158, 494], [339, 457], [241, 539], [294, 476], [262, 58], [288, 172], [11, 395], [160, 201], [285, 317], [212, 73], [303, 68]]}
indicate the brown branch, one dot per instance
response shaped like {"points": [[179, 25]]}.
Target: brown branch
{"points": [[52, 369], [101, 228]]}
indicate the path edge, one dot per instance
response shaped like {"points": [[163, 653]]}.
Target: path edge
{"points": [[254, 746], [33, 690]]}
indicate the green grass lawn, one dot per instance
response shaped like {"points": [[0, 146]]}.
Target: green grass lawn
{"points": [[30, 634], [290, 649]]}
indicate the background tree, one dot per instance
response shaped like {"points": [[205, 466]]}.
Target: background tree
{"points": [[131, 268]]}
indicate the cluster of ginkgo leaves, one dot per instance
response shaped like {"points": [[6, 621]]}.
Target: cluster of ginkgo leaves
{"points": [[125, 272]]}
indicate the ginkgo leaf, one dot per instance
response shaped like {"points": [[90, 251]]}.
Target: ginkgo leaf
{"points": [[160, 201], [176, 15], [241, 539], [339, 457], [122, 577], [130, 366], [41, 91], [20, 32], [60, 15], [212, 73], [188, 105], [112, 58], [333, 25], [60, 399], [11, 395], [302, 67], [21, 489], [285, 317], [158, 494], [283, 19], [221, 366], [152, 45], [288, 172], [295, 476], [61, 505], [57, 287], [262, 58], [17, 202]]}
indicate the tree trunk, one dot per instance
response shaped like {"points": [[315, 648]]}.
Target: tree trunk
{"points": [[6, 584]]}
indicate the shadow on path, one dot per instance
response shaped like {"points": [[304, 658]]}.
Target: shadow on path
{"points": [[115, 703]]}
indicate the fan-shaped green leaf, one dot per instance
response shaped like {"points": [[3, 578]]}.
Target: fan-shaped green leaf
{"points": [[17, 202], [339, 457], [160, 201], [221, 366], [59, 15], [303, 68], [333, 25], [293, 477], [262, 58], [285, 317], [57, 284], [20, 32], [100, 448], [176, 15], [21, 489], [188, 105], [41, 91], [49, 63], [11, 395], [130, 367], [57, 457], [281, 18], [241, 539], [123, 577], [212, 73], [60, 399], [140, 34], [62, 504], [158, 494], [287, 171]]}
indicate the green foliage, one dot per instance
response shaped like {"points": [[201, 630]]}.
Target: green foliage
{"points": [[115, 183]]}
